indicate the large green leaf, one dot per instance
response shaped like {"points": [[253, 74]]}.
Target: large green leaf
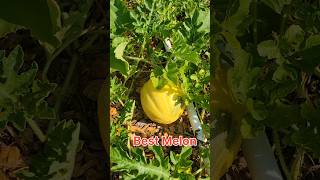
{"points": [[56, 160], [42, 17], [6, 27], [138, 167], [125, 163], [21, 96], [119, 17], [13, 83], [72, 29], [117, 62]]}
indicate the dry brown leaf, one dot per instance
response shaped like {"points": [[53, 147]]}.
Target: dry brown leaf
{"points": [[10, 157], [113, 112]]}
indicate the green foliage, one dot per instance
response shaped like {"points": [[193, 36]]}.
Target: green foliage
{"points": [[140, 33], [42, 17], [184, 23], [269, 65], [138, 167], [56, 160], [119, 132], [22, 96], [117, 91]]}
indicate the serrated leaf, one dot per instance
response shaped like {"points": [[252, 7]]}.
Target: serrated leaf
{"points": [[34, 102], [119, 17], [56, 160], [158, 152], [21, 96], [124, 163], [127, 111], [172, 72], [15, 84]]}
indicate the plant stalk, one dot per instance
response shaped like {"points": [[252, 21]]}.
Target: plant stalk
{"points": [[36, 129], [295, 169], [280, 155], [61, 96]]}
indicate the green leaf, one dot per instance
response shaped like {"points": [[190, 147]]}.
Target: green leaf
{"points": [[128, 111], [119, 17], [269, 49], [276, 5], [307, 132], [3, 119], [307, 59], [283, 116], [313, 40], [257, 109], [42, 17], [232, 23], [284, 73], [18, 119], [15, 84], [172, 72], [204, 21], [246, 129], [182, 163], [21, 96], [34, 102], [294, 36], [6, 27], [56, 160], [283, 89], [117, 62], [123, 163], [73, 27], [161, 160]]}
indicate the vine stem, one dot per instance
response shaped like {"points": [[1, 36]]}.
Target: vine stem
{"points": [[295, 169], [36, 129], [280, 155], [139, 59], [63, 91], [52, 57]]}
